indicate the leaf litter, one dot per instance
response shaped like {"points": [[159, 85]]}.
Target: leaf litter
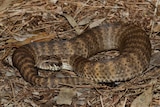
{"points": [[23, 22]]}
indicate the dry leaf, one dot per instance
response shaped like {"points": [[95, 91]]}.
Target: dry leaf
{"points": [[73, 23], [86, 20], [4, 4], [59, 10], [144, 99], [156, 28], [33, 104], [38, 38], [54, 1], [23, 37], [65, 96], [155, 59], [96, 23], [8, 74]]}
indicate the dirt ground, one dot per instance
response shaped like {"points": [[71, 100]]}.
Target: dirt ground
{"points": [[23, 22]]}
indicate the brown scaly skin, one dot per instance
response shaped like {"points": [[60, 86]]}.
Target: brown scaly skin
{"points": [[132, 42]]}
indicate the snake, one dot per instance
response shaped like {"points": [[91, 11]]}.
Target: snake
{"points": [[130, 40]]}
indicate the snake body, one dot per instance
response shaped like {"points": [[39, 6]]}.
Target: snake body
{"points": [[131, 41]]}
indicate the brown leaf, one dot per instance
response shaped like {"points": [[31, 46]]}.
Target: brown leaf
{"points": [[144, 99], [5, 4], [155, 59], [73, 23], [96, 23], [156, 28], [65, 96], [38, 38]]}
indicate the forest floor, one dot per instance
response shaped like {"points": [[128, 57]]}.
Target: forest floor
{"points": [[26, 21]]}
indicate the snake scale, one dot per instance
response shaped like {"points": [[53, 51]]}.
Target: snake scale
{"points": [[131, 41]]}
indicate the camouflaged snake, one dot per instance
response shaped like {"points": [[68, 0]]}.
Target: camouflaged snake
{"points": [[131, 41]]}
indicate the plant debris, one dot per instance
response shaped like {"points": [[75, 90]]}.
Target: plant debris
{"points": [[26, 21]]}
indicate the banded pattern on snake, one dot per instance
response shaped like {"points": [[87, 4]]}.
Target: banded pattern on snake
{"points": [[131, 41]]}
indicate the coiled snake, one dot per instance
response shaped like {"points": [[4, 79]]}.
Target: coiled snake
{"points": [[131, 41]]}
